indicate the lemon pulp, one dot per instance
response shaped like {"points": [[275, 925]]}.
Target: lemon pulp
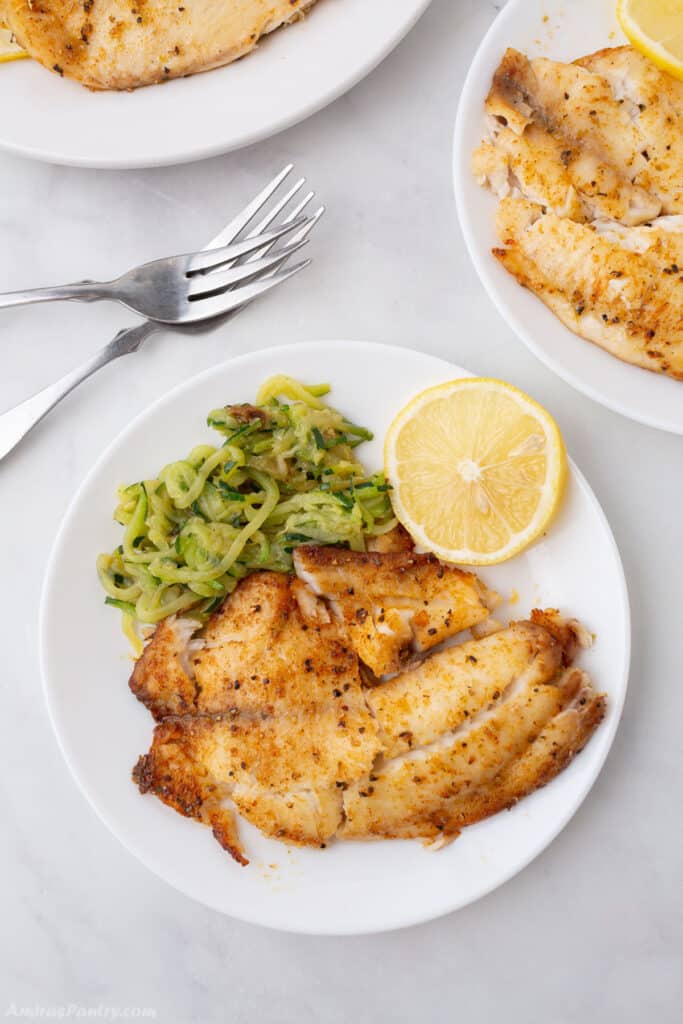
{"points": [[477, 469]]}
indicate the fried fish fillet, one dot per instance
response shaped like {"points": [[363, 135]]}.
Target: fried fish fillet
{"points": [[462, 731], [283, 772], [505, 753], [549, 169], [110, 44], [452, 686], [598, 138], [395, 540], [653, 100], [271, 643], [619, 287], [278, 721], [264, 711], [393, 604], [560, 138], [587, 159]]}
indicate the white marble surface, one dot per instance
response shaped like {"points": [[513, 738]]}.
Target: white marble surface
{"points": [[593, 930]]}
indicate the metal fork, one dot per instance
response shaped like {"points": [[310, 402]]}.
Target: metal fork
{"points": [[16, 423], [176, 290]]}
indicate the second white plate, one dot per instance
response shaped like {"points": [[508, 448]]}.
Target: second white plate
{"points": [[102, 729], [293, 73], [561, 31]]}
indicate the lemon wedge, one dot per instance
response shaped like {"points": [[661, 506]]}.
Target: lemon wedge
{"points": [[655, 28], [477, 468], [9, 48]]}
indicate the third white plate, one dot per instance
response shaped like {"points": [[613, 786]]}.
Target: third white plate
{"points": [[102, 729], [292, 73], [561, 31]]}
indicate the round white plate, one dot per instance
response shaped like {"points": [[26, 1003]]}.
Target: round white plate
{"points": [[561, 31], [293, 73], [102, 729]]}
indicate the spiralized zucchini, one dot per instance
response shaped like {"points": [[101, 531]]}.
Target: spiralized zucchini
{"points": [[285, 474]]}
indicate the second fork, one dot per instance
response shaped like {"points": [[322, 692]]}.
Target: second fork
{"points": [[184, 289]]}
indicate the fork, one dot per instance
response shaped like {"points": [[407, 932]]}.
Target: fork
{"points": [[176, 290], [16, 422]]}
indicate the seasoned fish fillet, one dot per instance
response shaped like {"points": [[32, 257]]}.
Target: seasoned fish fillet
{"points": [[162, 678], [264, 711], [394, 541], [619, 287], [609, 126], [284, 772], [587, 159], [394, 604], [561, 139], [570, 181], [110, 44], [505, 753], [271, 642], [450, 688], [653, 101], [278, 722]]}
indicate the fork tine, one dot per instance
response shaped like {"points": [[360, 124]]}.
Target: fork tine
{"points": [[291, 216], [283, 255], [266, 221], [217, 257], [306, 228], [231, 300], [299, 236], [299, 207], [238, 223], [204, 286]]}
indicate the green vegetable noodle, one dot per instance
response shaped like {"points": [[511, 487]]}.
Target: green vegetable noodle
{"points": [[285, 474]]}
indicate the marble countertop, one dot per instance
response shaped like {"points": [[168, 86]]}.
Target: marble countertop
{"points": [[592, 930]]}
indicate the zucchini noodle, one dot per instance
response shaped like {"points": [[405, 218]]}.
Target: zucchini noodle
{"points": [[285, 474]]}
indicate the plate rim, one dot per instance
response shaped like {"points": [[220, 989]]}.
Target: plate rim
{"points": [[484, 272], [178, 157], [149, 863]]}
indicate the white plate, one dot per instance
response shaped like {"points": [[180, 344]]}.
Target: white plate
{"points": [[292, 73], [102, 729], [561, 31]]}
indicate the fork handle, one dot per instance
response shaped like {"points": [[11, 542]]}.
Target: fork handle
{"points": [[18, 421], [81, 291]]}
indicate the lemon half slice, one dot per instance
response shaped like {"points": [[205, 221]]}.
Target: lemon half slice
{"points": [[9, 48], [477, 468], [655, 28]]}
